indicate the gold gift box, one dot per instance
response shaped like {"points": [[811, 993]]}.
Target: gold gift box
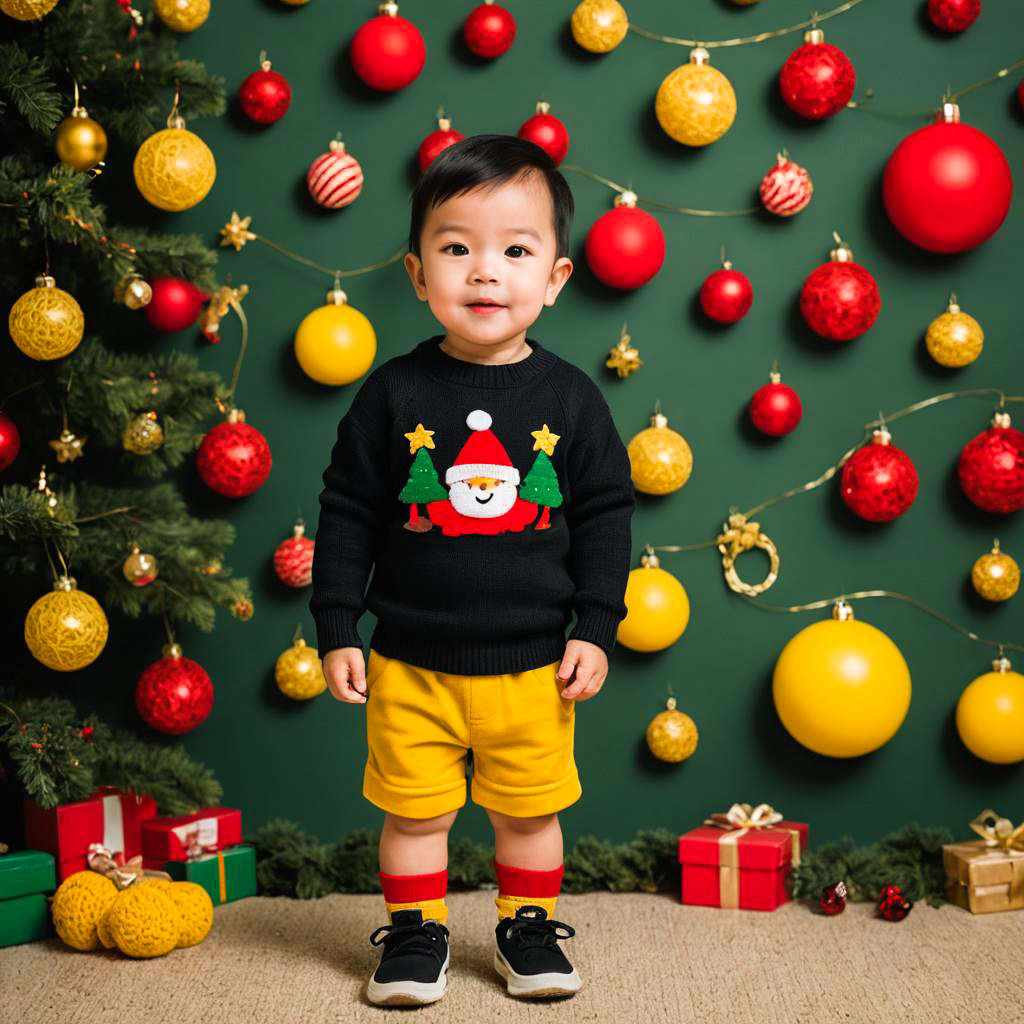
{"points": [[983, 878]]}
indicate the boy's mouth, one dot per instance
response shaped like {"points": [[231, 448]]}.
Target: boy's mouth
{"points": [[484, 307]]}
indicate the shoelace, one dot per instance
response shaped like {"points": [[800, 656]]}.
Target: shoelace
{"points": [[409, 938], [533, 933]]}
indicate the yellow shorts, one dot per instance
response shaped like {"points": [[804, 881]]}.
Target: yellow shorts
{"points": [[420, 723]]}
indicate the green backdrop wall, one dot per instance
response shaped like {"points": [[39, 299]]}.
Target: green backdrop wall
{"points": [[278, 758]]}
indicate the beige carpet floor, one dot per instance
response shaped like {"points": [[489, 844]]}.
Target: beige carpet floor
{"points": [[643, 959]]}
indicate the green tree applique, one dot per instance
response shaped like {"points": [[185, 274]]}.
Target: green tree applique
{"points": [[541, 483], [423, 484]]}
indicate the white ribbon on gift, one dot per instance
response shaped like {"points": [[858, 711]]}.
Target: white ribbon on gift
{"points": [[203, 833], [113, 823]]}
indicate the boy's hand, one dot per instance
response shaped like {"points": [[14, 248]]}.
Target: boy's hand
{"points": [[591, 664], [346, 674]]}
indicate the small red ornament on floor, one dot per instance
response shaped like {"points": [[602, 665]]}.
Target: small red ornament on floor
{"points": [[438, 141], [817, 79], [265, 95], [546, 131], [726, 295], [787, 188], [775, 408], [892, 904], [953, 15], [489, 30], [840, 299], [388, 52], [879, 482], [293, 558], [833, 899]]}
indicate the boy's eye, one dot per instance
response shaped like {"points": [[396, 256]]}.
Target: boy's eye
{"points": [[454, 245], [516, 254], [519, 247]]}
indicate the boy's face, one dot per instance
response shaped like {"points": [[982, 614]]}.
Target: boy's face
{"points": [[495, 243]]}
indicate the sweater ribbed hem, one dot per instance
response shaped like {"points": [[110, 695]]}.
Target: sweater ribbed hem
{"points": [[466, 657], [335, 627], [597, 625]]}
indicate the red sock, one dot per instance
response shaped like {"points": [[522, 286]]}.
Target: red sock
{"points": [[518, 886], [423, 892]]}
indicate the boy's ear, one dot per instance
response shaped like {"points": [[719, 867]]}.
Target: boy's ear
{"points": [[560, 273], [414, 268]]}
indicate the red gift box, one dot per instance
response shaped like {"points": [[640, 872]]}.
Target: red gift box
{"points": [[741, 859], [190, 835], [110, 816]]}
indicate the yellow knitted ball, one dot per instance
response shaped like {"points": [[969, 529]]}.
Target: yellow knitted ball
{"points": [[144, 921], [79, 904], [695, 104], [195, 909], [103, 932], [174, 169], [599, 25]]}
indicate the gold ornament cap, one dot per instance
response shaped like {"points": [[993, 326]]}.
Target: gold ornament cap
{"points": [[842, 253], [1001, 664], [700, 56], [949, 114], [236, 416], [842, 612], [1001, 419], [649, 560], [953, 307], [45, 281], [172, 650], [881, 436], [814, 35], [336, 297], [659, 419], [65, 584], [299, 529], [626, 198], [336, 146], [542, 107], [389, 9]]}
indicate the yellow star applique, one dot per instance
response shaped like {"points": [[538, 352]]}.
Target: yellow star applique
{"points": [[544, 440], [236, 232], [420, 438]]}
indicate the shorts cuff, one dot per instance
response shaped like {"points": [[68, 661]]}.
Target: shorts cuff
{"points": [[413, 803], [529, 801]]}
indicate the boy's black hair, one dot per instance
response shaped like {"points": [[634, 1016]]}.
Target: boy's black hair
{"points": [[489, 160]]}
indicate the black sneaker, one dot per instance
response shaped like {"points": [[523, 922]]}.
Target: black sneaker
{"points": [[413, 968], [529, 958]]}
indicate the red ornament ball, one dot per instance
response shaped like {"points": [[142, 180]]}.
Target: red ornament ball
{"points": [[489, 30], [10, 440], [334, 178], [786, 189], [174, 694], [840, 299], [775, 408], [953, 15], [437, 142], [947, 187], [293, 559], [726, 295], [892, 904], [175, 305], [546, 131], [833, 899], [234, 458], [817, 79], [265, 95], [991, 468], [625, 247], [388, 52], [879, 482]]}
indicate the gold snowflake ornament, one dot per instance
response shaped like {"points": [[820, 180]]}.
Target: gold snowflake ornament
{"points": [[624, 359], [236, 232]]}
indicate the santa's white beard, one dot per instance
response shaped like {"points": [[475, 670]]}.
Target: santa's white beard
{"points": [[480, 501]]}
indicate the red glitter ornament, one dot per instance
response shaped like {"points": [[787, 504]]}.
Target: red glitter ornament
{"points": [[817, 79], [174, 694], [726, 295], [489, 30], [388, 52], [892, 904], [775, 408], [879, 482], [437, 142], [293, 558], [785, 189], [953, 15], [833, 899], [265, 95], [625, 247], [546, 131], [991, 467], [10, 440], [840, 299], [175, 305], [234, 458]]}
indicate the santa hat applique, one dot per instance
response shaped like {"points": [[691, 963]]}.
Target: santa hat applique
{"points": [[482, 455]]}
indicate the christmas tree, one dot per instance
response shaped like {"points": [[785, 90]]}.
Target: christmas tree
{"points": [[422, 485], [541, 486]]}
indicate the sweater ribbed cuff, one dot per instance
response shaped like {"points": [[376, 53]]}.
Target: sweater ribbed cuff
{"points": [[597, 625], [336, 627]]}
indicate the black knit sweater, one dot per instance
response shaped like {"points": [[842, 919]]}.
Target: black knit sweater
{"points": [[491, 500]]}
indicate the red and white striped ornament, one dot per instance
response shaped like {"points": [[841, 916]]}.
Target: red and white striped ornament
{"points": [[786, 188], [293, 558], [335, 178]]}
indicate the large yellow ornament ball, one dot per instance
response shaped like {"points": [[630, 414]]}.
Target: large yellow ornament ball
{"points": [[46, 322], [841, 687], [954, 338], [66, 629], [144, 921], [335, 344], [599, 25], [81, 142], [174, 169], [695, 104], [195, 912], [299, 672], [657, 608], [27, 10], [182, 15], [996, 576], [671, 735], [79, 904], [660, 459], [990, 715]]}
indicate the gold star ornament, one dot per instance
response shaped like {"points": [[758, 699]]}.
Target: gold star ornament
{"points": [[420, 438], [624, 359], [236, 232], [544, 440], [68, 446]]}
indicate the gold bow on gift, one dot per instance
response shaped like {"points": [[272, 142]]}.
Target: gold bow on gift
{"points": [[997, 831], [120, 871], [740, 536], [194, 849]]}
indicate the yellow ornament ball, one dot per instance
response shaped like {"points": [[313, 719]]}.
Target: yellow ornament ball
{"points": [[182, 15], [174, 169], [299, 672], [990, 715], [660, 459], [695, 104], [671, 735], [46, 322], [841, 687], [27, 10], [195, 912], [599, 25], [335, 344], [996, 576], [144, 921], [954, 338], [81, 142], [66, 629], [657, 608], [79, 904]]}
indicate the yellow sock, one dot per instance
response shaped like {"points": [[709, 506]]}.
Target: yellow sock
{"points": [[436, 909], [507, 905]]}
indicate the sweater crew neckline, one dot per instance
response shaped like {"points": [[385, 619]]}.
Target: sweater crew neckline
{"points": [[484, 375]]}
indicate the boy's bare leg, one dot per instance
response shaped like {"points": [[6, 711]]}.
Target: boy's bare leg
{"points": [[533, 843], [414, 846]]}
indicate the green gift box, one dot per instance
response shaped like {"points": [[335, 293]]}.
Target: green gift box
{"points": [[25, 879], [227, 875], [26, 872], [25, 919]]}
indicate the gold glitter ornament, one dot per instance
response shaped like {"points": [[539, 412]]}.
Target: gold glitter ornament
{"points": [[695, 104], [68, 446], [27, 10], [66, 629], [954, 338], [671, 735], [599, 25], [140, 569], [174, 169], [182, 15], [143, 434], [243, 609], [81, 142], [996, 576], [624, 359], [134, 291], [46, 322], [660, 459], [79, 904], [299, 672]]}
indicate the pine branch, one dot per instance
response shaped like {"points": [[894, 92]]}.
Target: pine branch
{"points": [[25, 82]]}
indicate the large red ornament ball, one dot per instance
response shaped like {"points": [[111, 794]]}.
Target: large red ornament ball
{"points": [[234, 458], [786, 189], [388, 52], [175, 304], [775, 409], [817, 79], [10, 440], [879, 482], [437, 142], [546, 131], [174, 694], [991, 468], [840, 299], [334, 178], [489, 30], [293, 559], [265, 95], [953, 15], [625, 247], [726, 295], [947, 187]]}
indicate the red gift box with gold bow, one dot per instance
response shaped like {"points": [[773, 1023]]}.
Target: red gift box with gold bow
{"points": [[190, 836], [741, 859]]}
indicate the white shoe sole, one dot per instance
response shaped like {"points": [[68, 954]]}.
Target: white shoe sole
{"points": [[534, 986], [409, 993]]}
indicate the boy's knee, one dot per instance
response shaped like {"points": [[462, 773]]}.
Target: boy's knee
{"points": [[509, 823], [420, 826]]}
